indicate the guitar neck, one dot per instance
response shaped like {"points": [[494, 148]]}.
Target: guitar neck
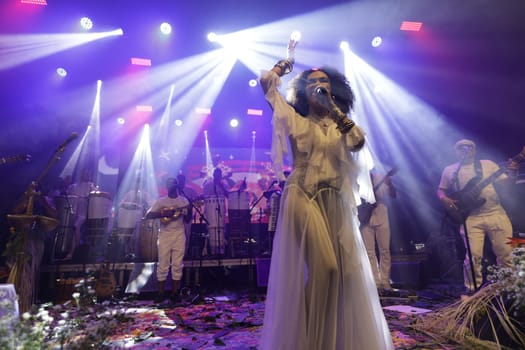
{"points": [[482, 184], [390, 173]]}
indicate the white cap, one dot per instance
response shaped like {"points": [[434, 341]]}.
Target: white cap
{"points": [[465, 142]]}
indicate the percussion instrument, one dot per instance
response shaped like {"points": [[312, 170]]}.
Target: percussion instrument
{"points": [[275, 200], [67, 207], [149, 233], [215, 211], [64, 243], [99, 205], [129, 215], [97, 223]]}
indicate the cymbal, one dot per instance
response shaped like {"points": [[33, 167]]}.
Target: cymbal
{"points": [[25, 222]]}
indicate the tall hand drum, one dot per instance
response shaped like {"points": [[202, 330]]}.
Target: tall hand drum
{"points": [[215, 211], [149, 233], [99, 205], [96, 235], [275, 201], [67, 207], [129, 215]]}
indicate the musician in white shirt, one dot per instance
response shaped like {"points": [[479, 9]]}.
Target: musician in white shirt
{"points": [[488, 219], [377, 230], [173, 211]]}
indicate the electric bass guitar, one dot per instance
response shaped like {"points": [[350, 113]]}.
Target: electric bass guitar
{"points": [[365, 209], [467, 199]]}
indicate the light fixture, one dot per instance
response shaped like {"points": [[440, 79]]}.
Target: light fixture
{"points": [[86, 23], [61, 72], [165, 28], [376, 41]]}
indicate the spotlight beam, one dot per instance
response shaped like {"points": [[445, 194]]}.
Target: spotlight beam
{"points": [[18, 49]]}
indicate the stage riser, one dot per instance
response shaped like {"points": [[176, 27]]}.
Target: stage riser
{"points": [[57, 281], [244, 242]]}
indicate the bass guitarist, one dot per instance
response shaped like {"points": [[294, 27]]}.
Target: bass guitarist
{"points": [[172, 210], [375, 229], [479, 209]]}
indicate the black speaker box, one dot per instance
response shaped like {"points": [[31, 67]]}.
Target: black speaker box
{"points": [[406, 274]]}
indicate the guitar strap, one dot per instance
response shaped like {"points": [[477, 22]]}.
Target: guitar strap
{"points": [[477, 168]]}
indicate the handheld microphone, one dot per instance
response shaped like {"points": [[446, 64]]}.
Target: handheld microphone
{"points": [[71, 137], [321, 91]]}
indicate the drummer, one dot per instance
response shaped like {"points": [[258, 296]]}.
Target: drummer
{"points": [[227, 171], [216, 188]]}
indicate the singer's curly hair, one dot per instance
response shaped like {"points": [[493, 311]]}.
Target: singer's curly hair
{"points": [[342, 93]]}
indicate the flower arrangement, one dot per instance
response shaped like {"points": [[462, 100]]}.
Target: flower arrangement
{"points": [[510, 281]]}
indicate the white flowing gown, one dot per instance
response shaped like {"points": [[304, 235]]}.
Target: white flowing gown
{"points": [[321, 293]]}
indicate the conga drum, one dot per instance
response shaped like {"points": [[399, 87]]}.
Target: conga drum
{"points": [[215, 209], [97, 223], [149, 234], [275, 201], [99, 206], [67, 207], [64, 244], [129, 215], [128, 218]]}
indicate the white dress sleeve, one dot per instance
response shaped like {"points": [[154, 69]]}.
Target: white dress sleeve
{"points": [[281, 121]]}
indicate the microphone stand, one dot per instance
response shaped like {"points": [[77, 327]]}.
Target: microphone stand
{"points": [[261, 197], [218, 229], [469, 254], [202, 218]]}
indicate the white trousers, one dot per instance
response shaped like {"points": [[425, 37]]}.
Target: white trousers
{"points": [[499, 230], [379, 233], [171, 252]]}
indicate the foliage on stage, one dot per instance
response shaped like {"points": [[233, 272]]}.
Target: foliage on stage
{"points": [[492, 318], [80, 323], [15, 246], [25, 332], [510, 281]]}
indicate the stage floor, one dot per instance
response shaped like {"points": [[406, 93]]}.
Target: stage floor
{"points": [[229, 319]]}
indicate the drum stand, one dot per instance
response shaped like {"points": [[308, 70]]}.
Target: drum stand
{"points": [[266, 194], [202, 220], [219, 254], [198, 292], [451, 234]]}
